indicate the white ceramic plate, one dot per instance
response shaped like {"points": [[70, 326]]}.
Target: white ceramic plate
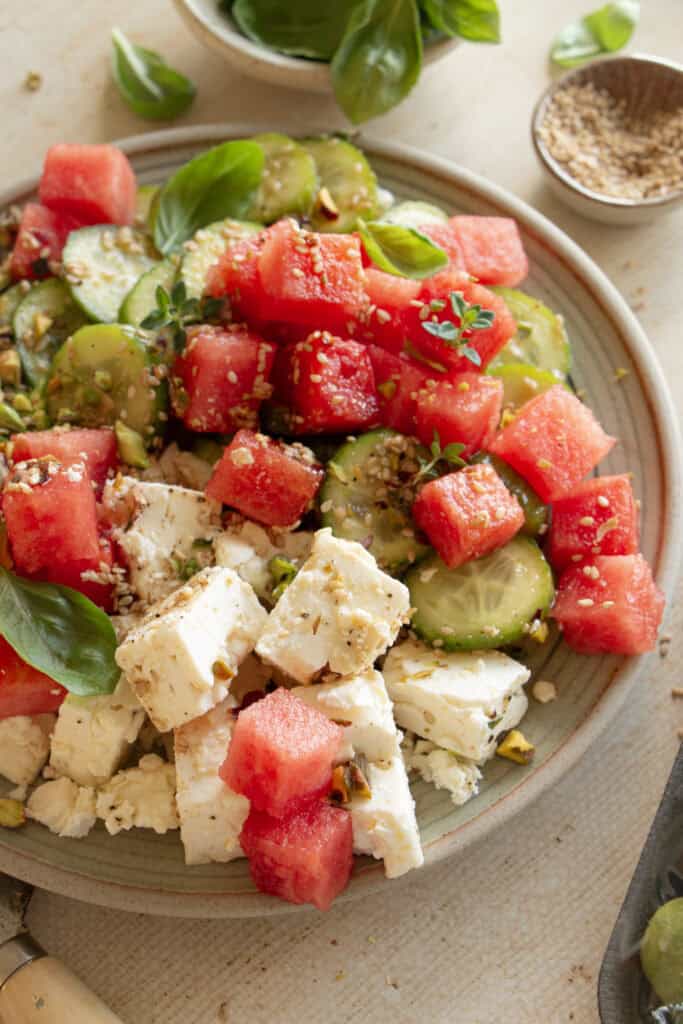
{"points": [[140, 871]]}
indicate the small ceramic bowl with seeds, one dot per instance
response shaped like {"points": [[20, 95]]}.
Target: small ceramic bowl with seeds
{"points": [[609, 137]]}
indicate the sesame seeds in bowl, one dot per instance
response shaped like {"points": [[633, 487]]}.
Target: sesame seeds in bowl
{"points": [[609, 137]]}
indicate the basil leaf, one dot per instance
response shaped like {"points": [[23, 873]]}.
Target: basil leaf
{"points": [[402, 251], [614, 23], [217, 184], [477, 20], [301, 28], [60, 632], [379, 58], [574, 45], [150, 87]]}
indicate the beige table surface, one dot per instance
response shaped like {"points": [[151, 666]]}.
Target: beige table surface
{"points": [[515, 930]]}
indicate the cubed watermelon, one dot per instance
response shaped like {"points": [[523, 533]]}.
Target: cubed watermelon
{"points": [[467, 514], [399, 380], [281, 753], [464, 409], [94, 184], [236, 277], [96, 447], [610, 606], [39, 242], [554, 441], [384, 320], [265, 480], [598, 517], [492, 249], [446, 237], [221, 378], [328, 385], [304, 858], [96, 585], [23, 689]]}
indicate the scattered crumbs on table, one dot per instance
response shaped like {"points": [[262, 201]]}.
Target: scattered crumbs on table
{"points": [[627, 265], [677, 691], [620, 373], [340, 975], [334, 942], [33, 81], [222, 1014], [372, 940], [664, 644], [579, 972], [391, 982], [544, 691]]}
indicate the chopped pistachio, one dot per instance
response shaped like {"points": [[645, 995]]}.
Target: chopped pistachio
{"points": [[515, 747], [22, 403], [131, 446], [12, 814], [10, 367], [326, 205], [9, 419]]}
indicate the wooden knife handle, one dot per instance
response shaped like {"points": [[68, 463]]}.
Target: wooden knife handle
{"points": [[44, 991]]}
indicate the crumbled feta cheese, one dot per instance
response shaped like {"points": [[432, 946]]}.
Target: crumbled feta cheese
{"points": [[461, 700], [65, 808], [180, 468], [442, 768], [142, 797], [361, 704], [124, 623], [249, 548], [384, 826], [24, 746], [93, 735], [544, 691], [182, 657], [341, 612], [211, 814]]}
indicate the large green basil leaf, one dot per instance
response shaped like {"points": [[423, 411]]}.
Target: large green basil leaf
{"points": [[379, 58], [400, 250], [477, 20], [217, 184], [60, 632], [604, 31], [150, 87], [301, 28]]}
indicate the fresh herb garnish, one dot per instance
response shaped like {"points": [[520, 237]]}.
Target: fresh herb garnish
{"points": [[60, 632], [175, 312], [671, 1014], [400, 250], [300, 28], [476, 20], [283, 572], [430, 469], [604, 31], [150, 87], [471, 317]]}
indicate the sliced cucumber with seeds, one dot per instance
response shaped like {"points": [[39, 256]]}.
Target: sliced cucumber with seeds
{"points": [[43, 320], [415, 214], [482, 604], [348, 186], [141, 299], [289, 183], [105, 373], [522, 382], [540, 340], [9, 303], [207, 247], [535, 512], [366, 496], [102, 264]]}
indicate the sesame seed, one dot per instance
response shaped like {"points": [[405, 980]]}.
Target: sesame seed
{"points": [[587, 521], [603, 502], [585, 602]]}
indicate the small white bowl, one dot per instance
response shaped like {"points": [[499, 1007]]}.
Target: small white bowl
{"points": [[647, 84], [218, 31]]}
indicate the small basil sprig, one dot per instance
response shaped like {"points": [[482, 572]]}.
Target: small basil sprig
{"points": [[217, 184], [471, 317], [300, 28], [150, 87], [671, 1014], [430, 469], [476, 20], [176, 312], [59, 632], [604, 31], [400, 250]]}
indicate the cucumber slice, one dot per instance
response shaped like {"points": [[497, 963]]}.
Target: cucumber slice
{"points": [[102, 374], [359, 503], [347, 179], [102, 264], [481, 604], [541, 339], [535, 512], [9, 302], [43, 320], [415, 214], [207, 247], [141, 299], [145, 199], [289, 183], [522, 382]]}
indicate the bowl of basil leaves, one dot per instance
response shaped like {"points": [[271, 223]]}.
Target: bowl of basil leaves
{"points": [[369, 53]]}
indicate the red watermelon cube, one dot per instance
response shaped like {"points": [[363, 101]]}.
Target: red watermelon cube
{"points": [[399, 381], [39, 242], [467, 514], [554, 441], [304, 858], [236, 277], [464, 409], [94, 184], [492, 249], [610, 606], [23, 689], [446, 237], [281, 753], [598, 517], [96, 447], [390, 299], [221, 378], [265, 480]]}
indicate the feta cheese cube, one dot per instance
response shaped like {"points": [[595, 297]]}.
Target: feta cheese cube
{"points": [[384, 825], [461, 700], [340, 612], [93, 735], [361, 704], [24, 746], [249, 548], [65, 808], [442, 768], [211, 814], [142, 797], [182, 657]]}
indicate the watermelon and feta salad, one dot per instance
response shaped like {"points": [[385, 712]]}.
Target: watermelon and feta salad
{"points": [[292, 476]]}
